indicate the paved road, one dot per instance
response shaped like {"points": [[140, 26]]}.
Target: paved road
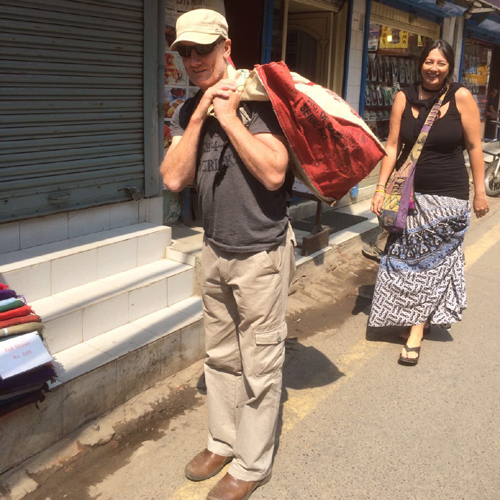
{"points": [[355, 424]]}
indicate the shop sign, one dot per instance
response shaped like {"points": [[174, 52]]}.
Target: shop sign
{"points": [[393, 38]]}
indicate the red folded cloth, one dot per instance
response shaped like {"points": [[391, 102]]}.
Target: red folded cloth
{"points": [[16, 313], [3, 287], [20, 320]]}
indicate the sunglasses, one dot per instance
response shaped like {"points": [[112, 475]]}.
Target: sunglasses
{"points": [[201, 50]]}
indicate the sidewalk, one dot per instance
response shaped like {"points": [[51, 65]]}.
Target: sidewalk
{"points": [[176, 404], [27, 476], [189, 240]]}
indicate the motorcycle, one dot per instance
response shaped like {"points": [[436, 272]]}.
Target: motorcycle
{"points": [[492, 173]]}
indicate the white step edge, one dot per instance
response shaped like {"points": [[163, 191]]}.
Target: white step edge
{"points": [[77, 315], [182, 257], [51, 251], [115, 344], [45, 270]]}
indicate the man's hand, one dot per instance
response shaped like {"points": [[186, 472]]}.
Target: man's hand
{"points": [[226, 106], [223, 90], [178, 168]]}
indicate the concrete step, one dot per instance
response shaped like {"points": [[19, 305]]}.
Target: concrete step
{"points": [[101, 373], [46, 270], [84, 312]]}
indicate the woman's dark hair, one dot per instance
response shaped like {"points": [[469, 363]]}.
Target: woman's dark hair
{"points": [[448, 53]]}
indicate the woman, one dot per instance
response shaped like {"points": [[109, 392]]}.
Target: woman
{"points": [[421, 276]]}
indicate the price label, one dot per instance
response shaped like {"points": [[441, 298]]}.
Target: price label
{"points": [[21, 354]]}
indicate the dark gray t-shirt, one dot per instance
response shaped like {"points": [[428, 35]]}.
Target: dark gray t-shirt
{"points": [[239, 213]]}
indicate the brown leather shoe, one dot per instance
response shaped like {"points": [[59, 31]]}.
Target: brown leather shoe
{"points": [[205, 465], [230, 488]]}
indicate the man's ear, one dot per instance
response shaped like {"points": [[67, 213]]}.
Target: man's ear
{"points": [[227, 48]]}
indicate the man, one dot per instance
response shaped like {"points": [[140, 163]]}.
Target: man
{"points": [[240, 173]]}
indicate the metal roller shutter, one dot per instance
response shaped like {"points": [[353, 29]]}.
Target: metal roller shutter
{"points": [[78, 101]]}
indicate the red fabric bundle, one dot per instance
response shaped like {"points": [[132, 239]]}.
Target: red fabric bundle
{"points": [[20, 320], [16, 313], [335, 149]]}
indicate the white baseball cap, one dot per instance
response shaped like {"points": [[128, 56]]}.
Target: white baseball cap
{"points": [[203, 26]]}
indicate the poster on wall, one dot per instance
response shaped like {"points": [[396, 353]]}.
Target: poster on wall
{"points": [[174, 97], [373, 37], [175, 73], [170, 20]]}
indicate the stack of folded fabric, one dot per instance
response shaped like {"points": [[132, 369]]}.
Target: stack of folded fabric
{"points": [[26, 366]]}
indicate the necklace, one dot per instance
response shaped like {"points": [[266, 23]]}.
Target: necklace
{"points": [[421, 91], [429, 91]]}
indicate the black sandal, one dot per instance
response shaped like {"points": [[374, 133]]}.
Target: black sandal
{"points": [[410, 361]]}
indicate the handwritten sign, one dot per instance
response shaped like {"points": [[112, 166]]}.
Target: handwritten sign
{"points": [[21, 354]]}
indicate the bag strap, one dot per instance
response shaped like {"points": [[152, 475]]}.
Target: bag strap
{"points": [[424, 133]]}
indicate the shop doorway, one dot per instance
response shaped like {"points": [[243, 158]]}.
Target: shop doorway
{"points": [[311, 32], [309, 45]]}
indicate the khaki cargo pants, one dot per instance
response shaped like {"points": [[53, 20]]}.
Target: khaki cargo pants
{"points": [[244, 302]]}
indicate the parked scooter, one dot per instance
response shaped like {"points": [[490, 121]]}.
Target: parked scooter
{"points": [[492, 172]]}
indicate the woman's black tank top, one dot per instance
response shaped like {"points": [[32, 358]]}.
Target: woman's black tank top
{"points": [[441, 167]]}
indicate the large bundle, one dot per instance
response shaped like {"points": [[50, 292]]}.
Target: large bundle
{"points": [[25, 363], [332, 147]]}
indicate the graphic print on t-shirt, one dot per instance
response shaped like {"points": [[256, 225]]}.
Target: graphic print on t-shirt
{"points": [[211, 164]]}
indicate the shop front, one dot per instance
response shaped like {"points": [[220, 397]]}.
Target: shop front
{"points": [[310, 37], [481, 55], [476, 76], [396, 35], [395, 42]]}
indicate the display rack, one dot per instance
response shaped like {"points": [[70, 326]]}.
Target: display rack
{"points": [[392, 65]]}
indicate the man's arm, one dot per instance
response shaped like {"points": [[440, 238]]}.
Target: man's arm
{"points": [[491, 113], [265, 155], [179, 165]]}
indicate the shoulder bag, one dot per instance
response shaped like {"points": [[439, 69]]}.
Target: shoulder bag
{"points": [[399, 196]]}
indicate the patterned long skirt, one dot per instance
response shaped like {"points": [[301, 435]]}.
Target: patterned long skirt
{"points": [[421, 275]]}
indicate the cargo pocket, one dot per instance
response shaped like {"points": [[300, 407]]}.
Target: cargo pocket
{"points": [[269, 349]]}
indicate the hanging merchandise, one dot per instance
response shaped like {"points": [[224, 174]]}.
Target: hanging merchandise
{"points": [[26, 365], [391, 65]]}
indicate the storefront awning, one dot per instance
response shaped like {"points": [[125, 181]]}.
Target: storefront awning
{"points": [[427, 8], [484, 25], [487, 29]]}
